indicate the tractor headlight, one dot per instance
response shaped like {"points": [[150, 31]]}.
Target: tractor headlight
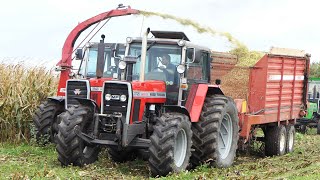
{"points": [[123, 98], [108, 97], [129, 40], [181, 42], [181, 68], [122, 65]]}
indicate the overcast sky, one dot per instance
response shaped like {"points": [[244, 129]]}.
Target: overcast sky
{"points": [[35, 30]]}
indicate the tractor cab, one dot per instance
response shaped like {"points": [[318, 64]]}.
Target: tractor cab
{"points": [[170, 57], [314, 90], [313, 95], [113, 52]]}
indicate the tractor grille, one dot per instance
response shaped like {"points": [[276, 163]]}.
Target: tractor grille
{"points": [[76, 89], [115, 105]]}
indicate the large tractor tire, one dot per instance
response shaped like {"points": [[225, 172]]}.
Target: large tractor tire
{"points": [[275, 141], [318, 127], [290, 139], [46, 121], [170, 147], [121, 155], [71, 148], [303, 128], [215, 136]]}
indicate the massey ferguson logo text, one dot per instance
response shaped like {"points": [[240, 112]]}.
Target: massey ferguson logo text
{"points": [[115, 97], [77, 91]]}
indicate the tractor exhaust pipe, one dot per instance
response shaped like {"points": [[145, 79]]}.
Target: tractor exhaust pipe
{"points": [[143, 54], [100, 58]]}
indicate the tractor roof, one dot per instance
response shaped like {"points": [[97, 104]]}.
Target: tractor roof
{"points": [[170, 35]]}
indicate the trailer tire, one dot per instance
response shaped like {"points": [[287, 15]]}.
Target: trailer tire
{"points": [[290, 139], [120, 155], [303, 128], [170, 147], [219, 115], [318, 127], [71, 148], [46, 121], [275, 141]]}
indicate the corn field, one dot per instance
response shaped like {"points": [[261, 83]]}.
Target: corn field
{"points": [[21, 90]]}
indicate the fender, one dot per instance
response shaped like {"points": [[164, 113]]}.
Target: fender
{"points": [[214, 89], [196, 97], [58, 99], [88, 102], [178, 109]]}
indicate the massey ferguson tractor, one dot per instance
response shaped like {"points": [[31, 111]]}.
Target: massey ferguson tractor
{"points": [[156, 95]]}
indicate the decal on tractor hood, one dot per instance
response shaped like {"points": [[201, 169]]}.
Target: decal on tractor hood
{"points": [[148, 94], [96, 89]]}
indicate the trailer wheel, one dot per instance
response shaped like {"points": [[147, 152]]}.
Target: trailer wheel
{"points": [[46, 121], [291, 132], [120, 155], [215, 136], [303, 128], [71, 148], [170, 147], [275, 141], [318, 127]]}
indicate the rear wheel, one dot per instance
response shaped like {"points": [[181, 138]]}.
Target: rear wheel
{"points": [[303, 128], [71, 148], [170, 147], [216, 135], [291, 132], [46, 121], [318, 127], [275, 141]]}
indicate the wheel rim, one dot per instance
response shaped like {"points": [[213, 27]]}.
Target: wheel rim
{"points": [[282, 142], [290, 140], [180, 148], [225, 136]]}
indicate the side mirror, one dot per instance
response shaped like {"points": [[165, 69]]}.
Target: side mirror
{"points": [[194, 55], [198, 56], [191, 55], [78, 54]]}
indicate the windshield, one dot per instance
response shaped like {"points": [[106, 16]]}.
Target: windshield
{"points": [[161, 62], [111, 63]]}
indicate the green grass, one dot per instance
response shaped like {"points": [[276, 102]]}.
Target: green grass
{"points": [[33, 162]]}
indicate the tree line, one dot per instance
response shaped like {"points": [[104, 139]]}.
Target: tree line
{"points": [[315, 69]]}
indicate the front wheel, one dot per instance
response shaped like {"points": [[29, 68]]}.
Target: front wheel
{"points": [[71, 148], [170, 147], [46, 121]]}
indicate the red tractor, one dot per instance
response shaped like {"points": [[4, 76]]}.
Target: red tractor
{"points": [[165, 109], [154, 95], [148, 106]]}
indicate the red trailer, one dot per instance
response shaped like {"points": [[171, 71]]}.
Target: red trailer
{"points": [[276, 97]]}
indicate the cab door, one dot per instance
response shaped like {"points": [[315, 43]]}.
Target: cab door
{"points": [[197, 72]]}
